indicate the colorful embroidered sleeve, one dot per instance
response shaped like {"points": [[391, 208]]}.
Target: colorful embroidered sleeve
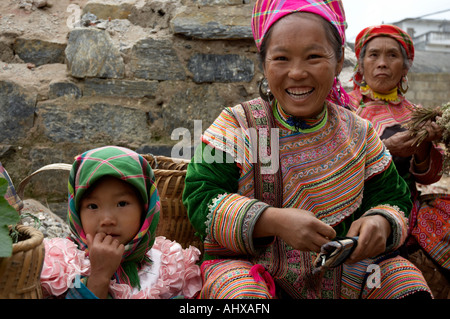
{"points": [[222, 217], [388, 195], [385, 194]]}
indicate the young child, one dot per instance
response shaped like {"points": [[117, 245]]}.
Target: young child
{"points": [[113, 253]]}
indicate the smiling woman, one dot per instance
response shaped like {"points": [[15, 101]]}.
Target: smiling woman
{"points": [[301, 66], [262, 229]]}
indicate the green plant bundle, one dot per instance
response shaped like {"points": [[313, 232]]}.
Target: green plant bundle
{"points": [[8, 217], [419, 117], [444, 122], [440, 115]]}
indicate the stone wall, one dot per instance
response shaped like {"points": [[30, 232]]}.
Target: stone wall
{"points": [[144, 74], [429, 89], [84, 73]]}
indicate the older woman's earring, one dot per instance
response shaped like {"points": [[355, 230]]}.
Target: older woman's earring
{"points": [[337, 82], [356, 76], [264, 91], [403, 82]]}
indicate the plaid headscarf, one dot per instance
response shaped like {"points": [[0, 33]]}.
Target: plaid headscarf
{"points": [[267, 12], [132, 168], [11, 194], [385, 30]]}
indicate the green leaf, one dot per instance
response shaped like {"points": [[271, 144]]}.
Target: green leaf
{"points": [[5, 242], [3, 186], [8, 215]]}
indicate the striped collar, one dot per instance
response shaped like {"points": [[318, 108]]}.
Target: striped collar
{"points": [[300, 124]]}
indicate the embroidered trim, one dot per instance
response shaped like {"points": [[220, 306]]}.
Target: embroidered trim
{"points": [[268, 181], [209, 216], [381, 164], [250, 219], [230, 223]]}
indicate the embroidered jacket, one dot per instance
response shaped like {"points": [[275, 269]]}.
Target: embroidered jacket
{"points": [[338, 169]]}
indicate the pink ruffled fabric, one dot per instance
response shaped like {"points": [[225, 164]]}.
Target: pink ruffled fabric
{"points": [[63, 261], [179, 274]]}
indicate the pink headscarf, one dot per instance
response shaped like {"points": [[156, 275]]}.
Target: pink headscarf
{"points": [[267, 12]]}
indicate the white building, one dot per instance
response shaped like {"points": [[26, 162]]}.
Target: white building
{"points": [[428, 34]]}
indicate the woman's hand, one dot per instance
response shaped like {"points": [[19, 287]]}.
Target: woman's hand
{"points": [[298, 228], [105, 255], [402, 144], [434, 130], [373, 232]]}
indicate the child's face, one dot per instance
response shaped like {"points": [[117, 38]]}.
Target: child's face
{"points": [[111, 207]]}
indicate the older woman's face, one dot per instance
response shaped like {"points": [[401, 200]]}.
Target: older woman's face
{"points": [[300, 64], [383, 64]]}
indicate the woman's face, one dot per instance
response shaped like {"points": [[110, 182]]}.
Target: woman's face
{"points": [[383, 64], [300, 64]]}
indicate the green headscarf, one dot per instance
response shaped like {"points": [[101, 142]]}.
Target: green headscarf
{"points": [[132, 168]]}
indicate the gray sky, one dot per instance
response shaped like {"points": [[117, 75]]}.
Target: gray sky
{"points": [[363, 13]]}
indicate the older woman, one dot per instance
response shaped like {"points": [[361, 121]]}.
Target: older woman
{"points": [[385, 53], [279, 176]]}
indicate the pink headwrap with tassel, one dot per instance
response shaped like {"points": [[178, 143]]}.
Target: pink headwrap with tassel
{"points": [[267, 12]]}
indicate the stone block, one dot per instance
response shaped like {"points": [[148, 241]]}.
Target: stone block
{"points": [[6, 52], [109, 9], [153, 14], [93, 123], [17, 107], [153, 59], [220, 2], [125, 88], [187, 104], [66, 89], [232, 22], [39, 52], [90, 52], [221, 68]]}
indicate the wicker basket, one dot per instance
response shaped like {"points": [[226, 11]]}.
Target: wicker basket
{"points": [[170, 174], [174, 223], [20, 273]]}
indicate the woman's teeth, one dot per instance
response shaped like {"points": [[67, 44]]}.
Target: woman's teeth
{"points": [[299, 93]]}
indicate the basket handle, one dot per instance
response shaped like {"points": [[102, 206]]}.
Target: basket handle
{"points": [[56, 166]]}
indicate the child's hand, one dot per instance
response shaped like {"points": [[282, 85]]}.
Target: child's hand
{"points": [[105, 254]]}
